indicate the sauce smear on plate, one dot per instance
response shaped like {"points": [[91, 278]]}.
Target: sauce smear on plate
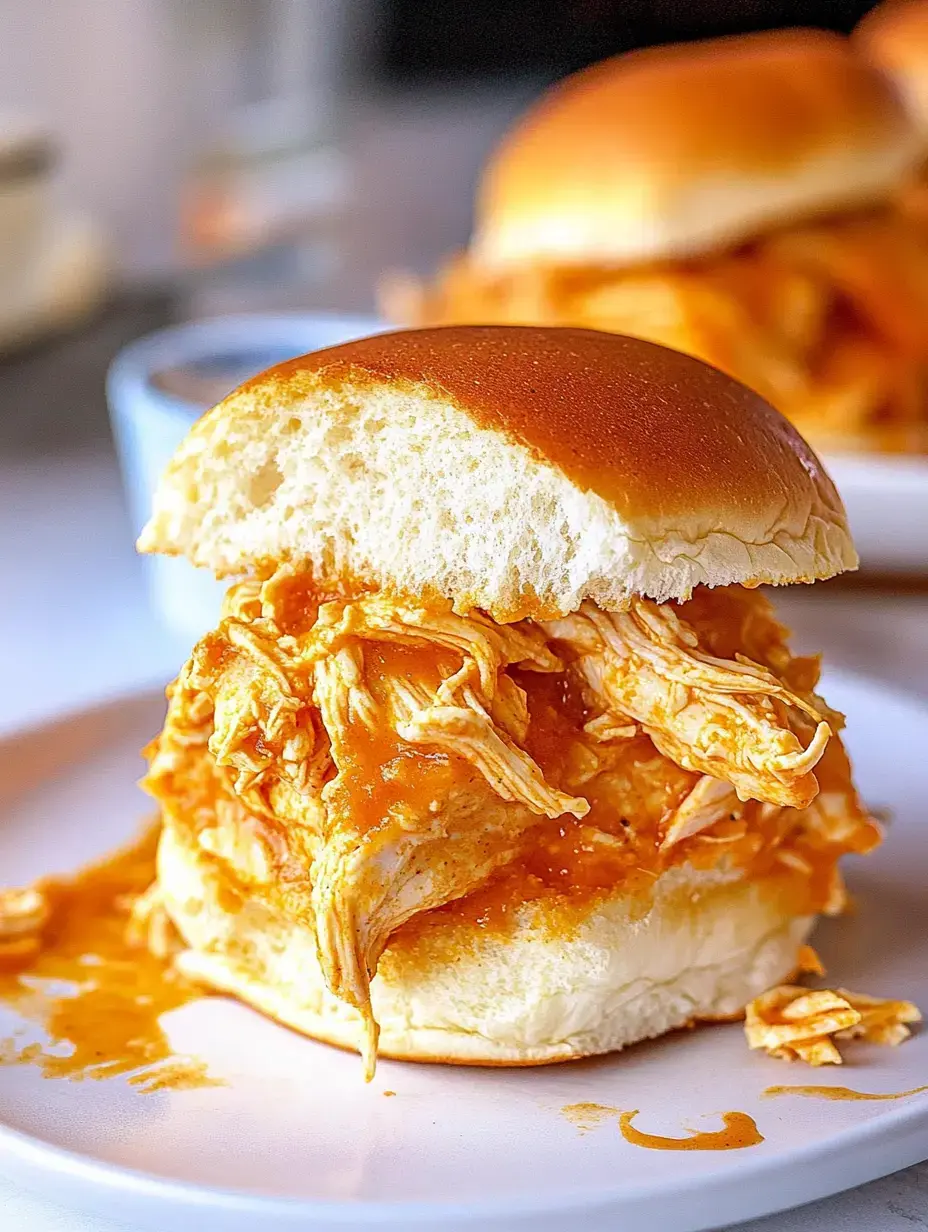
{"points": [[587, 1116], [98, 996], [740, 1131], [842, 1092]]}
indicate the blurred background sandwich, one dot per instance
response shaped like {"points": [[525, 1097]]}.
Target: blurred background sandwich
{"points": [[894, 38], [735, 199]]}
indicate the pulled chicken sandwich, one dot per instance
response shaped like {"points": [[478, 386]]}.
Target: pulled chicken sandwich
{"points": [[497, 754]]}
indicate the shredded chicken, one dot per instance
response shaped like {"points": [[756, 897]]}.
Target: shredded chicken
{"points": [[881, 1021], [828, 320], [365, 761], [793, 1023], [710, 801], [386, 866], [299, 711], [717, 717]]}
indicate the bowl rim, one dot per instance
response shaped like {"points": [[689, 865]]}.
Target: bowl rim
{"points": [[129, 376]]}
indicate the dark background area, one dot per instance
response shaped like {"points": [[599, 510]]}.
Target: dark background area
{"points": [[449, 40]]}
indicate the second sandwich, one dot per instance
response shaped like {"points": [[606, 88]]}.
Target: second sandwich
{"points": [[732, 199]]}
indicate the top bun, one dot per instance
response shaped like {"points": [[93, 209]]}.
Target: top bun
{"points": [[677, 150], [894, 36], [517, 470]]}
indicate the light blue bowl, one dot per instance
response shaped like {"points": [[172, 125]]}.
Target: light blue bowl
{"points": [[149, 423]]}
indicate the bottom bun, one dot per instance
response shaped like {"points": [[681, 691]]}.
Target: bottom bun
{"points": [[546, 989]]}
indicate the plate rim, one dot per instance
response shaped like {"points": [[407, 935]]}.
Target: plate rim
{"points": [[722, 1189]]}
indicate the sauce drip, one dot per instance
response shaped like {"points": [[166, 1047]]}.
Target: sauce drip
{"points": [[740, 1131], [842, 1092], [105, 1022], [379, 773], [588, 1116]]}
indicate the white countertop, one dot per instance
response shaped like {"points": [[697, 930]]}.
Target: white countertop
{"points": [[75, 626]]}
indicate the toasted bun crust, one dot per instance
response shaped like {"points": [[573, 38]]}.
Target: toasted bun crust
{"points": [[894, 36], [517, 470], [701, 948], [677, 150]]}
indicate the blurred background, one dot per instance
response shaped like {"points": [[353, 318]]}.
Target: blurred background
{"points": [[163, 161], [354, 130]]}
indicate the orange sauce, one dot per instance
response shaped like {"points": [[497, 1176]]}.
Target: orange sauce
{"points": [[557, 713], [213, 653], [740, 1131], [177, 1074], [378, 771], [588, 1116], [106, 1023], [295, 600], [843, 1093]]}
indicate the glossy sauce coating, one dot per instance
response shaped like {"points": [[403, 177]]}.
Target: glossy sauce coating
{"points": [[107, 1024], [842, 1093], [379, 771], [740, 1131]]}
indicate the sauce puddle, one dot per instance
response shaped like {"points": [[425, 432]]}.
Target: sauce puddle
{"points": [[841, 1092], [740, 1131], [105, 1021]]}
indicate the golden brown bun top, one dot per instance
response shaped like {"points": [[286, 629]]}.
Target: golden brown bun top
{"points": [[894, 36], [675, 150], [518, 470], [654, 432]]}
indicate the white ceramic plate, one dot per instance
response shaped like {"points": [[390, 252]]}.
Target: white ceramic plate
{"points": [[297, 1141], [887, 505]]}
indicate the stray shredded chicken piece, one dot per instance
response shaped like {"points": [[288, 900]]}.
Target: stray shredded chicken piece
{"points": [[792, 1023], [881, 1021], [23, 913]]}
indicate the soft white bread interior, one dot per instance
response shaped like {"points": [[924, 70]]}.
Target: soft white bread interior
{"points": [[674, 151], [700, 947], [516, 470]]}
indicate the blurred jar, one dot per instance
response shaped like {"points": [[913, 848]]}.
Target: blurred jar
{"points": [[27, 158], [267, 189], [260, 216]]}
